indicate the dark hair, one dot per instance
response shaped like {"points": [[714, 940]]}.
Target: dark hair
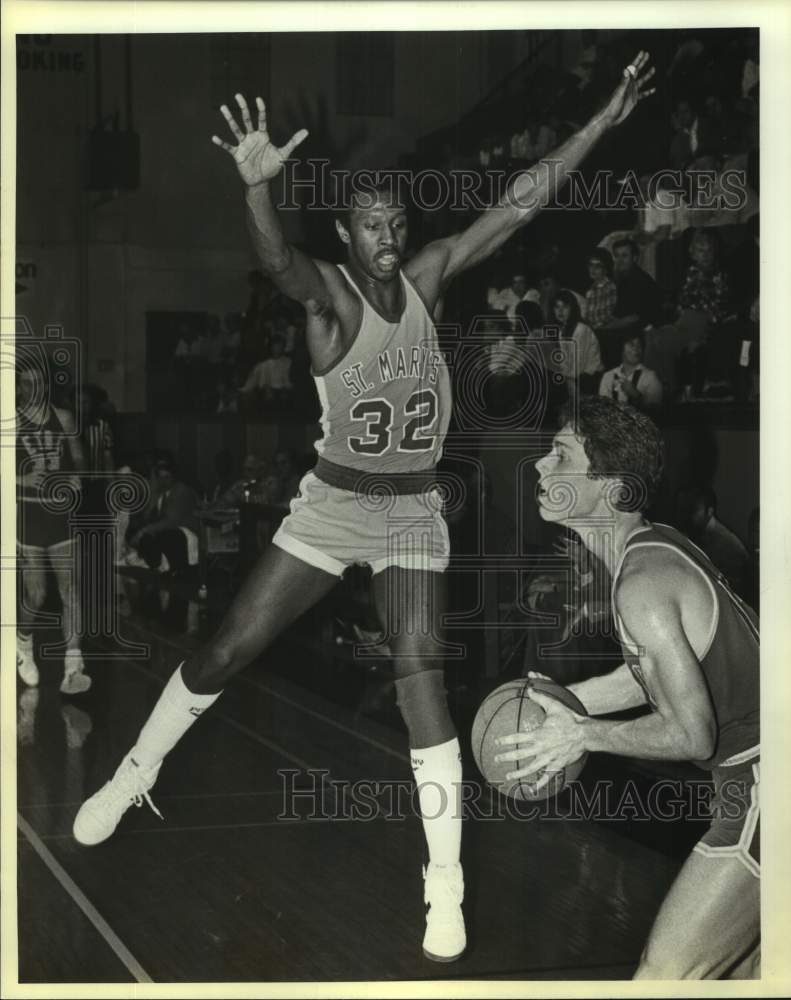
{"points": [[575, 315], [630, 337], [621, 443], [530, 314], [627, 243], [377, 182], [165, 462], [604, 257]]}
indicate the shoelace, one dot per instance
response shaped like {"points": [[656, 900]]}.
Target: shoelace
{"points": [[138, 801], [440, 890], [136, 793]]}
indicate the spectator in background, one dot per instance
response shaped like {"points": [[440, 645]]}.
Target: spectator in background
{"points": [[224, 476], [254, 318], [750, 70], [95, 433], [548, 287], [582, 364], [695, 136], [232, 338], [534, 141], [705, 285], [600, 301], [630, 382], [216, 342], [697, 510], [679, 351], [638, 301], [288, 477], [271, 377], [247, 486], [167, 539], [227, 396], [507, 299]]}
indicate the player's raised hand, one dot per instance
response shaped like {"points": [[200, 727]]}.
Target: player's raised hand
{"points": [[630, 91], [256, 156]]}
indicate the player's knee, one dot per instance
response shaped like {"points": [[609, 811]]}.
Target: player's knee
{"points": [[657, 962], [212, 668], [35, 593], [423, 702]]}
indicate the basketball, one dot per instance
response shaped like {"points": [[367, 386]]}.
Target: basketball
{"points": [[508, 709]]}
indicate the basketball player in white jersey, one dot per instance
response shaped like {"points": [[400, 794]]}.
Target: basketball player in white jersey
{"points": [[46, 444], [385, 396]]}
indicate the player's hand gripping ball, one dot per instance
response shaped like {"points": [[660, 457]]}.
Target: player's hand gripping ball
{"points": [[509, 709]]}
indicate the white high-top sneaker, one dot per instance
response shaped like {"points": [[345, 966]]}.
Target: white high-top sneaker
{"points": [[25, 662], [101, 813], [443, 893]]}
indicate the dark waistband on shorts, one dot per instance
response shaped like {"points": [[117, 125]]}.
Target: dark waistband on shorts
{"points": [[361, 481]]}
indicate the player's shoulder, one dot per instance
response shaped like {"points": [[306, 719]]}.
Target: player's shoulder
{"points": [[333, 277], [652, 580]]}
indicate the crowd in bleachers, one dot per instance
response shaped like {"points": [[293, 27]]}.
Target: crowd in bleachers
{"points": [[659, 298], [254, 364]]}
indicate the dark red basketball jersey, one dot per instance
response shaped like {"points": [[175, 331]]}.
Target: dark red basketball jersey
{"points": [[730, 663]]}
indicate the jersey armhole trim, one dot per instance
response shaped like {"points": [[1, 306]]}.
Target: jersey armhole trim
{"points": [[715, 618], [320, 373]]}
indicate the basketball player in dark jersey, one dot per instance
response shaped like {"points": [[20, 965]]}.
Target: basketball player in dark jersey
{"points": [[385, 397], [692, 655], [46, 443]]}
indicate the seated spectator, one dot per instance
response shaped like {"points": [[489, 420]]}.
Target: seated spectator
{"points": [[630, 382], [246, 485], [507, 299], [679, 352], [638, 297], [695, 136], [705, 285], [271, 377], [582, 364], [548, 286], [697, 509], [602, 295], [167, 538]]}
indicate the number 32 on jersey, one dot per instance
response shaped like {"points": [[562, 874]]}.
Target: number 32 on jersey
{"points": [[378, 417]]}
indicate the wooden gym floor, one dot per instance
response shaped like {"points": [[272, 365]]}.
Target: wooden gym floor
{"points": [[239, 885]]}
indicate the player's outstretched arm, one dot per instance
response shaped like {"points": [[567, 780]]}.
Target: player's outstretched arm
{"points": [[532, 189], [259, 161]]}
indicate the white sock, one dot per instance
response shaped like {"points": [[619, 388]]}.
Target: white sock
{"points": [[437, 772], [172, 716], [24, 642], [72, 661]]}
